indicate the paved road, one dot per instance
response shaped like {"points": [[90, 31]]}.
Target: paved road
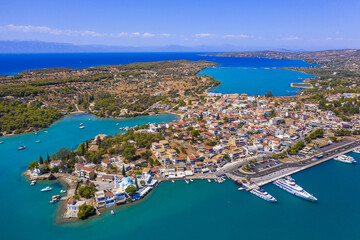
{"points": [[328, 152]]}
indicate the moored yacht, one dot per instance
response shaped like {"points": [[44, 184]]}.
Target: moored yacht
{"points": [[288, 184], [261, 193], [55, 198], [345, 159], [357, 150]]}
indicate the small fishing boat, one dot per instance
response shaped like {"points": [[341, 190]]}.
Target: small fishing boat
{"points": [[21, 147], [33, 182], [62, 191], [209, 180], [35, 133], [191, 180], [55, 198], [82, 127], [112, 212], [47, 189], [1, 142], [117, 124], [187, 181], [45, 131], [81, 124], [38, 141], [172, 181]]}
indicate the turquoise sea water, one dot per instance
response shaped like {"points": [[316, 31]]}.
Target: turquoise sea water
{"points": [[255, 80], [199, 210], [25, 210]]}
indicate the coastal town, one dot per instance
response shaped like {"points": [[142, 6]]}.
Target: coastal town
{"points": [[252, 140]]}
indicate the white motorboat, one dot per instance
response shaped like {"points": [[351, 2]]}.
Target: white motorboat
{"points": [[112, 212], [357, 150], [345, 159], [47, 189], [82, 127], [33, 182]]}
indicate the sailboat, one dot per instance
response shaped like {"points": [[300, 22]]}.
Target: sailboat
{"points": [[21, 146]]}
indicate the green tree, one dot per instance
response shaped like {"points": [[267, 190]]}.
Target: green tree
{"points": [[55, 169], [131, 190], [86, 211], [129, 152], [41, 161], [33, 165], [123, 171], [268, 94]]}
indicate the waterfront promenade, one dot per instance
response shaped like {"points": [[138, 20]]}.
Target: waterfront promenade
{"points": [[328, 153]]}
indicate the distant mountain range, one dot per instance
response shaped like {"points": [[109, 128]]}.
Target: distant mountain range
{"points": [[53, 47]]}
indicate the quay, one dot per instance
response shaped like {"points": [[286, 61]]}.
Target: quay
{"points": [[289, 169]]}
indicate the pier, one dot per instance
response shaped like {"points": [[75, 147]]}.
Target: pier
{"points": [[329, 153]]}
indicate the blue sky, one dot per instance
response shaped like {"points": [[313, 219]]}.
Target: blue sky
{"points": [[301, 24]]}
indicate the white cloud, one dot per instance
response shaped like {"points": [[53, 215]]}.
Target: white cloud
{"points": [[81, 33], [225, 36], [148, 35], [334, 39], [204, 35], [290, 38], [235, 36]]}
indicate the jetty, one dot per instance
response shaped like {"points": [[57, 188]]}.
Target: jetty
{"points": [[291, 168]]}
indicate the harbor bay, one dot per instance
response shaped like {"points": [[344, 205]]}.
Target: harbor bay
{"points": [[212, 205]]}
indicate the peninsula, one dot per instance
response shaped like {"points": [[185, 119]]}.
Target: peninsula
{"points": [[108, 91], [252, 140]]}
